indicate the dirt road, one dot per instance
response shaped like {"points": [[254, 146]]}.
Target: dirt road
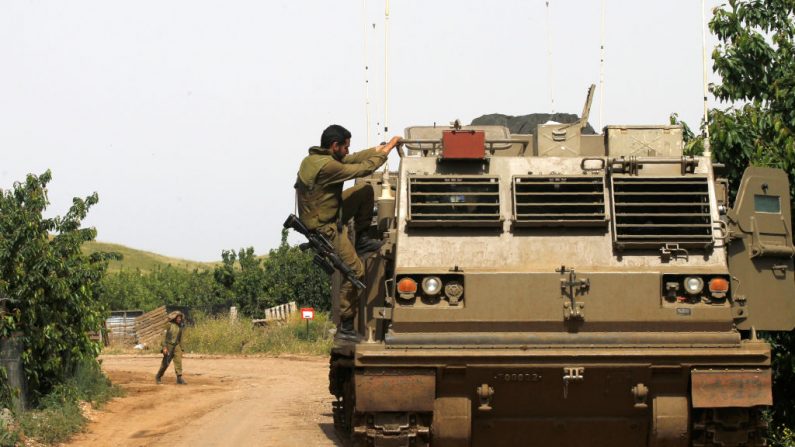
{"points": [[229, 401]]}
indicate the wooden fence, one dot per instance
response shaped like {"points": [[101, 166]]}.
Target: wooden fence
{"points": [[278, 313], [150, 326]]}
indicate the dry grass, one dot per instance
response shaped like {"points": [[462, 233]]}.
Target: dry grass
{"points": [[220, 335], [223, 336]]}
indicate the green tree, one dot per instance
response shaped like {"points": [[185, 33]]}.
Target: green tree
{"points": [[53, 285], [290, 275], [241, 274], [128, 290], [286, 274], [756, 62], [164, 286]]}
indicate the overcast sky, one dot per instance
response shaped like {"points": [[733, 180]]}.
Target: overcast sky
{"points": [[189, 118]]}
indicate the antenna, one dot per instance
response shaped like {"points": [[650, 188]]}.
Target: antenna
{"points": [[602, 68], [707, 151], [549, 64], [366, 74], [386, 69]]}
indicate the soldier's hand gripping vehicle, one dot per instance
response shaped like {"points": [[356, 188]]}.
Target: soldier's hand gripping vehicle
{"points": [[561, 289]]}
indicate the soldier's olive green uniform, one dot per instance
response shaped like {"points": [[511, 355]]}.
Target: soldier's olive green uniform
{"points": [[323, 206], [173, 342]]}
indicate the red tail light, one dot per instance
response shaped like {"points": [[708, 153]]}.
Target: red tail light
{"points": [[719, 285], [407, 285]]}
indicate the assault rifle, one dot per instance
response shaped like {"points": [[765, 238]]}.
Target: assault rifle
{"points": [[325, 257]]}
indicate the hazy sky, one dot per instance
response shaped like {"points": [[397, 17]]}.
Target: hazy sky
{"points": [[189, 118]]}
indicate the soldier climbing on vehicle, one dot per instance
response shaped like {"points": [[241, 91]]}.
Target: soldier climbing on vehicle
{"points": [[324, 207]]}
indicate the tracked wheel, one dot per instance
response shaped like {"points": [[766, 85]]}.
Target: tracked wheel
{"points": [[342, 409], [728, 427]]}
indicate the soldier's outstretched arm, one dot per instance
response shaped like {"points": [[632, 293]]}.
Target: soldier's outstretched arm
{"points": [[336, 172], [361, 156]]}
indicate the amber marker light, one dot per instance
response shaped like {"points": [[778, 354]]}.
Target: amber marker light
{"points": [[407, 285], [719, 285]]}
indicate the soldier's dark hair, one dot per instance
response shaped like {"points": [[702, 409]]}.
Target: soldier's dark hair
{"points": [[334, 134]]}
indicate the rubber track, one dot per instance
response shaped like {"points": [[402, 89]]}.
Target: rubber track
{"points": [[728, 427]]}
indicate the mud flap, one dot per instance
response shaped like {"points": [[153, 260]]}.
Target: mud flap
{"points": [[761, 251], [725, 388], [399, 389]]}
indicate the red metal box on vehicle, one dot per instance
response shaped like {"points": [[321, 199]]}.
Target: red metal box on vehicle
{"points": [[464, 144]]}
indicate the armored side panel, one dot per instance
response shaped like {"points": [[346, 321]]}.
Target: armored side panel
{"points": [[644, 141], [761, 250]]}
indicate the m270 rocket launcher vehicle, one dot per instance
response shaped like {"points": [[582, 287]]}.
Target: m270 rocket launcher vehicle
{"points": [[561, 289]]}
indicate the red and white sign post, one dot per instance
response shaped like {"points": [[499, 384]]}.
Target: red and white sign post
{"points": [[307, 313]]}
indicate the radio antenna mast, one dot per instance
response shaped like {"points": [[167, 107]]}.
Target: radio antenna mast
{"points": [[549, 63], [366, 73], [386, 70], [602, 69]]}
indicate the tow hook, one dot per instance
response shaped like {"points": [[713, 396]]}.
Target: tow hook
{"points": [[572, 374], [640, 393], [485, 393]]}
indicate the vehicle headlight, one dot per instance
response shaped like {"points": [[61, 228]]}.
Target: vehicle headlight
{"points": [[431, 285], [694, 285]]}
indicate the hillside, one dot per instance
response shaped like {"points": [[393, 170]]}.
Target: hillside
{"points": [[143, 260]]}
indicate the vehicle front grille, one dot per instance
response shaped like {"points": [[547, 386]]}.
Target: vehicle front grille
{"points": [[454, 201], [559, 201], [650, 212]]}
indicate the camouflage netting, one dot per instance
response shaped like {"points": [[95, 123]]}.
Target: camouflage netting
{"points": [[527, 123]]}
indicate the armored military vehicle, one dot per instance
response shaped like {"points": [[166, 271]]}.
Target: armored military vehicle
{"points": [[561, 289]]}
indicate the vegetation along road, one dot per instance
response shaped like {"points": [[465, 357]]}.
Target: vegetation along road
{"points": [[273, 401]]}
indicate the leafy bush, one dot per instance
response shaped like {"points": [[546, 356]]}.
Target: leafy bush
{"points": [[56, 421], [53, 286], [59, 415], [10, 435], [781, 436]]}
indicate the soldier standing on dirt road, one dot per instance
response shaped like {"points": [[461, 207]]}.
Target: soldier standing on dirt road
{"points": [[172, 347], [324, 207]]}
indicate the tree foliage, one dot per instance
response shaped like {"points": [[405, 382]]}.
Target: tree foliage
{"points": [[52, 286], [134, 289], [286, 274], [756, 62], [244, 279], [291, 275], [242, 275]]}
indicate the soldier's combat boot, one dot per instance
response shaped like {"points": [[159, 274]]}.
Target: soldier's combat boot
{"points": [[345, 330], [365, 244], [157, 379], [180, 381]]}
